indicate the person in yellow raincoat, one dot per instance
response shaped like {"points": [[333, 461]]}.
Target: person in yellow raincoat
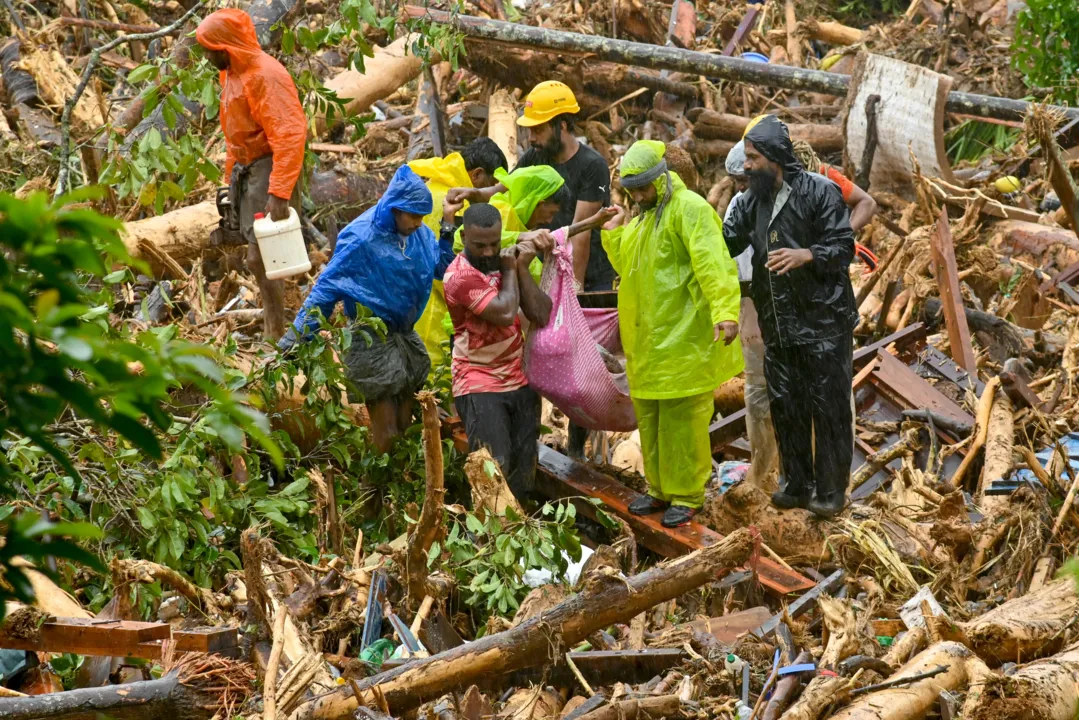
{"points": [[473, 167], [678, 306], [530, 201]]}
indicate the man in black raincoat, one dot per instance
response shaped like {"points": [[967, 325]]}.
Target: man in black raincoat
{"points": [[799, 229]]}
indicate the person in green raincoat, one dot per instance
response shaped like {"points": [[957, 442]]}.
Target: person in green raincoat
{"points": [[678, 306], [473, 167], [530, 201]]}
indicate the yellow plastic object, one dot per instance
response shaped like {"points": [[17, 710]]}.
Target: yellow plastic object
{"points": [[547, 101], [1008, 184], [441, 174], [831, 60], [675, 447], [678, 281]]}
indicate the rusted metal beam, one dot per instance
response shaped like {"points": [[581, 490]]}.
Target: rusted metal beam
{"points": [[951, 298], [565, 478]]}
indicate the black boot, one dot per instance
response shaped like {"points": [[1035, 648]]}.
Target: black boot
{"points": [[786, 498], [647, 505], [678, 515], [828, 507]]}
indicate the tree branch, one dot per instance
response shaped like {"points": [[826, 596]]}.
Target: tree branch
{"points": [[87, 73]]}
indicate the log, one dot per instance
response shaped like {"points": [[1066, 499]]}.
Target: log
{"points": [[1007, 338], [1025, 628], [430, 523], [1020, 236], [699, 63], [832, 33], [182, 234], [824, 139], [502, 124], [637, 709], [1046, 690], [428, 131], [999, 443], [981, 424], [599, 605], [794, 43], [346, 193], [166, 697], [489, 489], [916, 699], [390, 68]]}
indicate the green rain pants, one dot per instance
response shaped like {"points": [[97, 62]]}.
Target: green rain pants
{"points": [[675, 445]]}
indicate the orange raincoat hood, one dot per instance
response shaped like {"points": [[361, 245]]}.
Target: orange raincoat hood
{"points": [[261, 112]]}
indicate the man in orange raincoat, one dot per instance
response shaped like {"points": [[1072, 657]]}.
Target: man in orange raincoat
{"points": [[265, 130]]}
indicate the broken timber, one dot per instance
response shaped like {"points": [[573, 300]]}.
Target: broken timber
{"points": [[951, 298], [699, 63], [119, 638], [569, 479]]}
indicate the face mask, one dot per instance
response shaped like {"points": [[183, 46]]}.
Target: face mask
{"points": [[761, 182], [485, 265]]}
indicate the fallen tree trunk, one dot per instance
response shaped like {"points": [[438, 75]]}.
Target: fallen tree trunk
{"points": [[636, 709], [20, 85], [390, 68], [999, 444], [182, 233], [915, 700], [601, 603], [347, 194], [166, 697], [713, 125], [1026, 628], [832, 33], [699, 63], [1046, 690]]}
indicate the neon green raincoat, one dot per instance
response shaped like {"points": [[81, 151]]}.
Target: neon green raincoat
{"points": [[678, 282], [441, 175], [526, 188]]}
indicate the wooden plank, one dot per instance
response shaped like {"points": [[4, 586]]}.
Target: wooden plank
{"points": [[799, 606], [569, 479], [951, 298], [910, 391], [728, 628], [85, 636]]}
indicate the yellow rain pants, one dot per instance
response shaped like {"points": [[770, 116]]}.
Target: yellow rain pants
{"points": [[675, 445]]}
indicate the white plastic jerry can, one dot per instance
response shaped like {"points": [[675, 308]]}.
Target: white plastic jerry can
{"points": [[284, 253]]}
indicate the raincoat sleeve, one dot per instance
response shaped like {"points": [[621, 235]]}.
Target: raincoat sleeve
{"points": [[324, 296], [716, 272], [834, 249], [612, 243], [737, 228], [275, 106], [230, 159], [445, 255]]}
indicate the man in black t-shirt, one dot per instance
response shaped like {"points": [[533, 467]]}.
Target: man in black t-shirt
{"points": [[549, 115]]}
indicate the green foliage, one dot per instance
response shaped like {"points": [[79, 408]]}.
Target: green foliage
{"points": [[972, 140], [488, 557], [63, 364], [1071, 569], [872, 8], [160, 171], [1046, 47]]}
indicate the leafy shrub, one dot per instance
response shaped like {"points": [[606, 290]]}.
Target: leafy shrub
{"points": [[1046, 47]]}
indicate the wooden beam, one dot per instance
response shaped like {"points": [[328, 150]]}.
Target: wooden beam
{"points": [[910, 391], [569, 479], [950, 296], [119, 638]]}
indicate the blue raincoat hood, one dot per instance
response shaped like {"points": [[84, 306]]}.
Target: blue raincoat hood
{"points": [[377, 267]]}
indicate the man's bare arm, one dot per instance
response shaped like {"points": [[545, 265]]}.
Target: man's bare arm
{"points": [[502, 310], [862, 208]]}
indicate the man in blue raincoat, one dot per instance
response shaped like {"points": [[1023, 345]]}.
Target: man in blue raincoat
{"points": [[385, 260]]}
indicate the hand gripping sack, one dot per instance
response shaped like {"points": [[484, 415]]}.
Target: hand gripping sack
{"points": [[564, 362]]}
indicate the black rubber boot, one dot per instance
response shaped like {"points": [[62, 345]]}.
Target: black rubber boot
{"points": [[827, 508], [646, 505], [785, 500], [678, 515]]}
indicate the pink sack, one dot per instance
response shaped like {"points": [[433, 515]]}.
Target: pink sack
{"points": [[562, 361]]}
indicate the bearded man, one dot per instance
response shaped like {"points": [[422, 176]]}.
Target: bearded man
{"points": [[800, 231]]}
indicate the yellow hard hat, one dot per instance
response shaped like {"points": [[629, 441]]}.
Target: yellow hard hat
{"points": [[547, 101]]}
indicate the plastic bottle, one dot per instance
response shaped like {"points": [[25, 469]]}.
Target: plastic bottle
{"points": [[742, 711], [284, 252], [733, 664]]}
